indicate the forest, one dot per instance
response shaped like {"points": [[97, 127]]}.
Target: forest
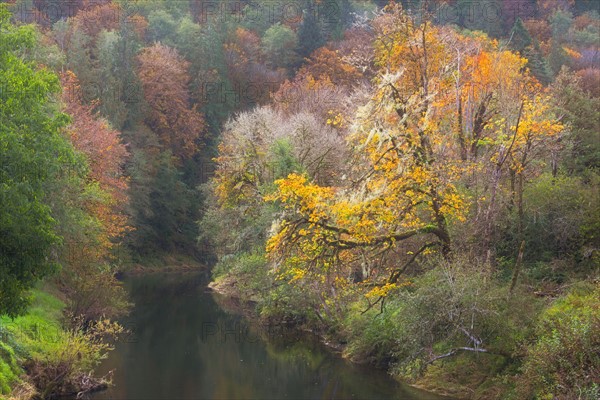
{"points": [[415, 182]]}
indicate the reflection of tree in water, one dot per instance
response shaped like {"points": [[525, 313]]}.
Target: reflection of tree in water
{"points": [[147, 288], [186, 346], [290, 361]]}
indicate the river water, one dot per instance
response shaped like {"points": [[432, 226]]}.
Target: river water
{"points": [[184, 345]]}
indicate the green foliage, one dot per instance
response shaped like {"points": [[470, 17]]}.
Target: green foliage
{"points": [[79, 60], [310, 36], [580, 112], [33, 154], [260, 20], [279, 44], [249, 270], [374, 336], [54, 357], [113, 74], [161, 27], [537, 64], [560, 23], [522, 42], [176, 9], [564, 359], [244, 263], [284, 160], [9, 370], [440, 314], [561, 221], [521, 39]]}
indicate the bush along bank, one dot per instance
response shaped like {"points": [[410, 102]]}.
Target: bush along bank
{"points": [[455, 330], [44, 354]]}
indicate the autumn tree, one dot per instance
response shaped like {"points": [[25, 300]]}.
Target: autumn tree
{"points": [[402, 187], [356, 49], [403, 192], [164, 79], [257, 148], [250, 76], [327, 64], [89, 258], [106, 154], [96, 18]]}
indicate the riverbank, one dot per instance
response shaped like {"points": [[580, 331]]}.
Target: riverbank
{"points": [[40, 357], [368, 335], [165, 264], [189, 342], [236, 301], [226, 288]]}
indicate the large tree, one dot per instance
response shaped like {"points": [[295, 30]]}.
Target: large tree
{"points": [[33, 153], [409, 160]]}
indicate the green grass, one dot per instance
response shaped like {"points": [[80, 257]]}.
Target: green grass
{"points": [[9, 370], [34, 334]]}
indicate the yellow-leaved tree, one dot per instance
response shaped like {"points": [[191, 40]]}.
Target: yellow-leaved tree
{"points": [[441, 107]]}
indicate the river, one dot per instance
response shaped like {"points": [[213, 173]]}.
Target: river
{"points": [[183, 345]]}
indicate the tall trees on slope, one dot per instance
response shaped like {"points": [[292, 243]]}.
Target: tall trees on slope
{"points": [[91, 254]]}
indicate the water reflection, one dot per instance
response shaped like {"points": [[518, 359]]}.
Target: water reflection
{"points": [[185, 346]]}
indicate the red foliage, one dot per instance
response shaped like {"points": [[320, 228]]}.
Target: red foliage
{"points": [[247, 71], [106, 154], [164, 77], [93, 20]]}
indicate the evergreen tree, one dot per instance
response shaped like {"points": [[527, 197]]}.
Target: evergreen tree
{"points": [[310, 36], [520, 38], [521, 41], [343, 18], [537, 64]]}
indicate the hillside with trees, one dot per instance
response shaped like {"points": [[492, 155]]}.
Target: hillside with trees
{"points": [[415, 182]]}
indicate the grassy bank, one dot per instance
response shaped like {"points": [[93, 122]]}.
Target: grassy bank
{"points": [[36, 334], [43, 354], [163, 263]]}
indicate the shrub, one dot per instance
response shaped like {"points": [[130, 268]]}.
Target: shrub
{"points": [[564, 360], [65, 368], [57, 361], [374, 338], [561, 220]]}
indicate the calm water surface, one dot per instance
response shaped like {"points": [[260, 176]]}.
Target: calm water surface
{"points": [[184, 345]]}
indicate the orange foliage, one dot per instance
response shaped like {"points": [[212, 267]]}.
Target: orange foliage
{"points": [[140, 25], [106, 155], [406, 156], [326, 64], [94, 20], [538, 29], [164, 77]]}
